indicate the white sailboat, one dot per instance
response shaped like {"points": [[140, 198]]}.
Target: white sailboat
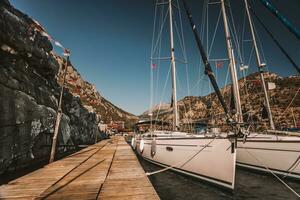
{"points": [[210, 158], [268, 152], [279, 154]]}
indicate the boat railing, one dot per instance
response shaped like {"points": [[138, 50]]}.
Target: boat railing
{"points": [[289, 133]]}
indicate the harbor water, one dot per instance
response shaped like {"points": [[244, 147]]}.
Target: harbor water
{"points": [[249, 185]]}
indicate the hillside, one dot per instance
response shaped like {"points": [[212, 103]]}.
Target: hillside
{"points": [[207, 108]]}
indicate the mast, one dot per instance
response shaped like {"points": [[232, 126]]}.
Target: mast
{"points": [[260, 67], [232, 66], [174, 94]]}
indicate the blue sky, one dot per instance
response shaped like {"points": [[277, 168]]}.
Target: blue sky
{"points": [[110, 43]]}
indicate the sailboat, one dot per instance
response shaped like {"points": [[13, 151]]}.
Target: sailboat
{"points": [[211, 158], [278, 154]]}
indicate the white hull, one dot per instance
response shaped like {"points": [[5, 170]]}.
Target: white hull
{"points": [[281, 154], [215, 163]]}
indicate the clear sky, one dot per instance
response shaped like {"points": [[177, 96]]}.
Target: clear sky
{"points": [[110, 43]]}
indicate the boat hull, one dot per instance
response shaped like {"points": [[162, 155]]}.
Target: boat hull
{"points": [[281, 154], [209, 159]]}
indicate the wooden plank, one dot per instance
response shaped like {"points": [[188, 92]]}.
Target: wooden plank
{"points": [[107, 170], [126, 178]]}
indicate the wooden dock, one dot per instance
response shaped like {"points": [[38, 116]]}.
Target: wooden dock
{"points": [[106, 170]]}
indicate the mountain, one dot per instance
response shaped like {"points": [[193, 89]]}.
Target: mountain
{"points": [[285, 105], [30, 78]]}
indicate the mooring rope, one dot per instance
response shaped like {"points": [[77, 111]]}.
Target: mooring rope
{"points": [[284, 183], [292, 167], [182, 163]]}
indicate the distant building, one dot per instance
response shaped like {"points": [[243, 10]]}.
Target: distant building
{"points": [[102, 127], [117, 125]]}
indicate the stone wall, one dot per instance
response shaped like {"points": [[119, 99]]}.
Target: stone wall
{"points": [[29, 95]]}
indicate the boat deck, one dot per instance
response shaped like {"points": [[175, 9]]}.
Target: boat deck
{"points": [[106, 170]]}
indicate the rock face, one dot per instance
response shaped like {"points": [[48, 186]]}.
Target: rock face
{"points": [[208, 108], [30, 75]]}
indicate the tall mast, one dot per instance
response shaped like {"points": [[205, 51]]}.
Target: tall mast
{"points": [[175, 111], [260, 67], [232, 66]]}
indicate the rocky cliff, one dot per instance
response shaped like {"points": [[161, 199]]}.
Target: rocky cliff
{"points": [[208, 109], [30, 78]]}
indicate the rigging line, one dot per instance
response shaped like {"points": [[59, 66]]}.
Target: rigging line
{"points": [[180, 163], [198, 152], [234, 33], [202, 34], [202, 78], [151, 64], [276, 41], [151, 94], [185, 58], [215, 32], [154, 27], [186, 69], [159, 53], [162, 22], [292, 167], [208, 70], [179, 39], [156, 79], [250, 56], [180, 89], [293, 29], [260, 46], [235, 42], [184, 49], [160, 31], [239, 37], [226, 79], [207, 37], [216, 70], [181, 28], [163, 93], [242, 36], [211, 45], [203, 18], [207, 26], [207, 82], [292, 100], [265, 166]]}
